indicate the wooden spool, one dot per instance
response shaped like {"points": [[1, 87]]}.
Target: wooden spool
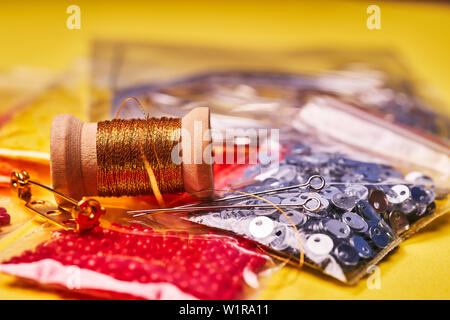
{"points": [[73, 155]]}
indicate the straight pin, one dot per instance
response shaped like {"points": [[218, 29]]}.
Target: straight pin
{"points": [[303, 185], [302, 204], [308, 183]]}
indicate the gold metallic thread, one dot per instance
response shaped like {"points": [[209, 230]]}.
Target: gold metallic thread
{"points": [[123, 147]]}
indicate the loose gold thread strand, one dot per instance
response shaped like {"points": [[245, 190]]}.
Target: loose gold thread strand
{"points": [[151, 175], [125, 101], [301, 259], [148, 168], [121, 167], [301, 256]]}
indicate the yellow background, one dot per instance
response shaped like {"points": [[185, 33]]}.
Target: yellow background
{"points": [[35, 34]]}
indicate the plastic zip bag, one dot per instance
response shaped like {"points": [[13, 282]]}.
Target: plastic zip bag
{"points": [[376, 81], [323, 95], [137, 262], [327, 92]]}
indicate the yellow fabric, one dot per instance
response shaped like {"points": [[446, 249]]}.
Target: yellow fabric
{"points": [[35, 34]]}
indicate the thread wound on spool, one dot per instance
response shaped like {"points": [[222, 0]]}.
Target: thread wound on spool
{"points": [[121, 146]]}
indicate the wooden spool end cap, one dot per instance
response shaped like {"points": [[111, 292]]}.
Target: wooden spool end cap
{"points": [[197, 153], [73, 157]]}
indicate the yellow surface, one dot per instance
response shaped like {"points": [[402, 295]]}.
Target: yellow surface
{"points": [[35, 34]]}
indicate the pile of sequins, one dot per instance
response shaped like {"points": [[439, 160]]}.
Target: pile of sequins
{"points": [[137, 262], [363, 209]]}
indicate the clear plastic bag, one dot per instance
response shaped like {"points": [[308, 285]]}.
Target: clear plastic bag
{"points": [[366, 208], [137, 262], [363, 99], [357, 110]]}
